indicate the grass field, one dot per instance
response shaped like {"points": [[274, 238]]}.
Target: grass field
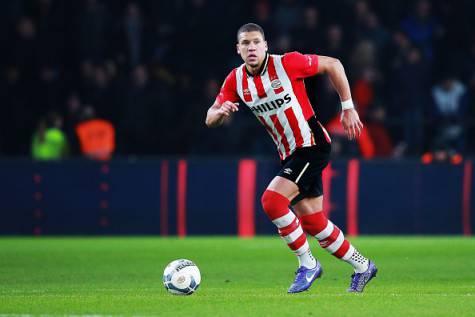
{"points": [[417, 276]]}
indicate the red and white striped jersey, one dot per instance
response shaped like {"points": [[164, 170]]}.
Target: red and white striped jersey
{"points": [[277, 97]]}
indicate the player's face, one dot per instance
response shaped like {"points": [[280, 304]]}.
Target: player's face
{"points": [[252, 48]]}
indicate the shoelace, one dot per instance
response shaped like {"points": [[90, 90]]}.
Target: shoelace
{"points": [[299, 273], [355, 280]]}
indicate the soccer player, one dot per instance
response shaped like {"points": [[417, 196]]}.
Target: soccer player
{"points": [[272, 87]]}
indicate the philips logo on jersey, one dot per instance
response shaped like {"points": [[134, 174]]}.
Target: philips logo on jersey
{"points": [[271, 105]]}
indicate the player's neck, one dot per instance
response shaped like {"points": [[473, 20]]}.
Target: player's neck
{"points": [[254, 70], [257, 70]]}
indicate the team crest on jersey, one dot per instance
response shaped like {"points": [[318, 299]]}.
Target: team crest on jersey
{"points": [[276, 84]]}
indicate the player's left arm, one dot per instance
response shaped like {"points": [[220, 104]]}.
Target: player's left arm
{"points": [[349, 116]]}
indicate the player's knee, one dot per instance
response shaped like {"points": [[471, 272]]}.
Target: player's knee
{"points": [[274, 204], [314, 223]]}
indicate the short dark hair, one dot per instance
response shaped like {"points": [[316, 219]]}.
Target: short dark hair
{"points": [[250, 27]]}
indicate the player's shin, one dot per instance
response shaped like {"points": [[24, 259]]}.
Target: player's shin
{"points": [[276, 207], [331, 238]]}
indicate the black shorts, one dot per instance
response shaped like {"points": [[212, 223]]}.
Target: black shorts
{"points": [[304, 167]]}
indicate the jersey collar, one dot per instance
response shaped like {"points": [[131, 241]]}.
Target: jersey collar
{"points": [[263, 67]]}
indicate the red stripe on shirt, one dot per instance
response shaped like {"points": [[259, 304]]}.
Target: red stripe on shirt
{"points": [[259, 86], [281, 132], [271, 132], [273, 75], [298, 86], [294, 125], [245, 86]]}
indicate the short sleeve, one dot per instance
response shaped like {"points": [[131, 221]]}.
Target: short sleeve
{"points": [[228, 90], [298, 65]]}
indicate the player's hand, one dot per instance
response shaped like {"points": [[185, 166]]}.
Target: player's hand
{"points": [[351, 123], [227, 108]]}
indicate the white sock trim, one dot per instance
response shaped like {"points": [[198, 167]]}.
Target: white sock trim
{"points": [[293, 235], [325, 233], [285, 220], [304, 248], [348, 253], [332, 248]]}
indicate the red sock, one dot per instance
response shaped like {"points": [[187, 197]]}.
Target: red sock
{"points": [[329, 236], [276, 206]]}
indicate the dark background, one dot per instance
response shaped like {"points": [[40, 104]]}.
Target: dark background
{"points": [[154, 67]]}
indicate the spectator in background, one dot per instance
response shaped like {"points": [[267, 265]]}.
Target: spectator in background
{"points": [[363, 57], [16, 113], [49, 17], [49, 88], [94, 46], [375, 33], [24, 52], [71, 119], [138, 117], [49, 141], [101, 92], [377, 142], [96, 136], [376, 125], [308, 29], [470, 121], [422, 28], [131, 36], [410, 86], [448, 112], [262, 16], [94, 31], [283, 44], [468, 65], [361, 10], [287, 13], [162, 43], [334, 43]]}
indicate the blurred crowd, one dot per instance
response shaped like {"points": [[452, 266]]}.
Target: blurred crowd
{"points": [[118, 77]]}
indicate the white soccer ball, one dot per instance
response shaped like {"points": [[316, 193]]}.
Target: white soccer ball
{"points": [[181, 277]]}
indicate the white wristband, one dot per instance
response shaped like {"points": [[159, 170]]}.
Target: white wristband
{"points": [[347, 104]]}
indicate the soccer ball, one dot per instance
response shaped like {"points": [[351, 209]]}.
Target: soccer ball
{"points": [[181, 277]]}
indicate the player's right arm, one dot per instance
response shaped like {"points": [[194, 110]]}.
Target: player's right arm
{"points": [[225, 103], [302, 66], [218, 112], [349, 116]]}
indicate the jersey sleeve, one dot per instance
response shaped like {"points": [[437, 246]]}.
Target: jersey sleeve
{"points": [[228, 90], [299, 65]]}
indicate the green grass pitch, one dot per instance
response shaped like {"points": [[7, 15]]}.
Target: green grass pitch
{"points": [[121, 276]]}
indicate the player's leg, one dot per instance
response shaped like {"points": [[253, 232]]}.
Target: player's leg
{"points": [[329, 236], [332, 239], [275, 202]]}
